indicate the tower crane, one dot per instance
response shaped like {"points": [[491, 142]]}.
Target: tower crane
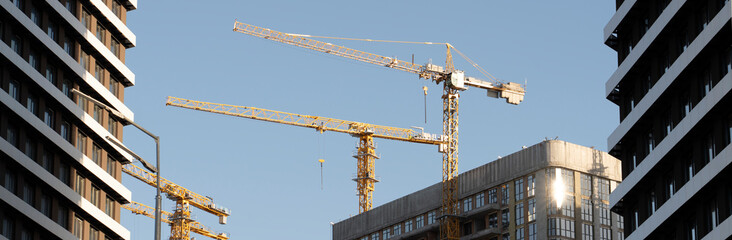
{"points": [[452, 80], [196, 227], [181, 222], [365, 177]]}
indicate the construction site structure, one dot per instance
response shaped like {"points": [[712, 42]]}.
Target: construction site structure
{"points": [[167, 217], [180, 220], [366, 149], [453, 81]]}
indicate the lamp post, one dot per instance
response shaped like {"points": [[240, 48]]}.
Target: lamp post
{"points": [[155, 169]]}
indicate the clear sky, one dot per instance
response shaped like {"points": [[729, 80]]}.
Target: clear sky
{"points": [[268, 174]]}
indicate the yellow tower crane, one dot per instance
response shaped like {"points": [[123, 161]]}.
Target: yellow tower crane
{"points": [[181, 222], [196, 227], [366, 133], [453, 81]]}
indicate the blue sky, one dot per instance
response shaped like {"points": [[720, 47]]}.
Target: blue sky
{"points": [[268, 174]]}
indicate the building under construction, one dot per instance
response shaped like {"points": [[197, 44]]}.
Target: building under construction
{"points": [[551, 190], [60, 175]]}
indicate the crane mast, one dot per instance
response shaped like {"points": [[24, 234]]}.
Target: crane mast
{"points": [[366, 150], [194, 226], [453, 81]]}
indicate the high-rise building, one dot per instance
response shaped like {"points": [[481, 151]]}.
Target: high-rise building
{"points": [[672, 87], [551, 190], [60, 176]]}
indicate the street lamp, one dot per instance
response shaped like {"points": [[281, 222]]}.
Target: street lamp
{"points": [[155, 169]]}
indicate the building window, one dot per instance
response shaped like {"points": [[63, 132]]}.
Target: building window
{"points": [[532, 210], [431, 217], [66, 131], [35, 15], [111, 166], [603, 189], [493, 193], [519, 233], [709, 148], [62, 217], [101, 32], [650, 142], [504, 194], [18, 3], [586, 184], [63, 173], [85, 60], [113, 83], [17, 45], [605, 233], [78, 227], [652, 202], [69, 46], [115, 47], [112, 126], [117, 8], [71, 6], [96, 154], [34, 59], [8, 227], [86, 18], [506, 236], [505, 217], [47, 161], [51, 30], [12, 136], [568, 206], [408, 226], [94, 198], [81, 142], [532, 231], [531, 186], [620, 219], [46, 205], [568, 177], [561, 227], [707, 84], [375, 236], [397, 229], [479, 200], [30, 148], [98, 113], [493, 221], [712, 215], [93, 234], [691, 230], [690, 169], [99, 73], [14, 90], [10, 181], [385, 234], [79, 186], [519, 189], [29, 193], [66, 88], [420, 222], [49, 118], [519, 213], [467, 204], [32, 104], [51, 73], [587, 210], [604, 214], [587, 231]]}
